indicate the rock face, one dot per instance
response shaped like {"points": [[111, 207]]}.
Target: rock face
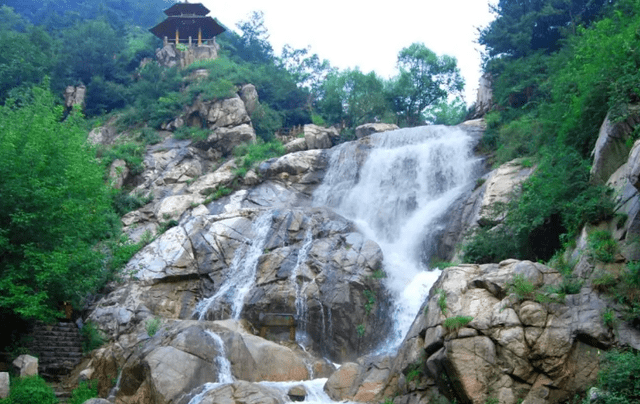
{"points": [[484, 99], [74, 95], [478, 340], [169, 56], [611, 150], [304, 257], [482, 207], [370, 128]]}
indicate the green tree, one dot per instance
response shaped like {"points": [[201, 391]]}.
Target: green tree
{"points": [[54, 208], [446, 113], [27, 52], [424, 79], [353, 97]]}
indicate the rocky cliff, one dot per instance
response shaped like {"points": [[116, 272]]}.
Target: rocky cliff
{"points": [[263, 285]]}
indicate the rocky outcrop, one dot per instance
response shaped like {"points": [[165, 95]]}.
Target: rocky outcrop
{"points": [[249, 96], [313, 137], [310, 256], [611, 150], [371, 128], [482, 207], [75, 95], [480, 336], [169, 56], [484, 98]]}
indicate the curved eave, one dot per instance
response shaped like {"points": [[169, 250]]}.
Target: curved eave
{"points": [[187, 8], [187, 27]]}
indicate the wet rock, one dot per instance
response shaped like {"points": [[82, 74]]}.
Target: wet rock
{"points": [[371, 128], [297, 393]]}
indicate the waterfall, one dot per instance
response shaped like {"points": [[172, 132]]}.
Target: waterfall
{"points": [[407, 182], [302, 309], [224, 369], [240, 277]]}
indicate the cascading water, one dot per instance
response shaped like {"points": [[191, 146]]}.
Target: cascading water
{"points": [[240, 276], [302, 311], [224, 369], [409, 180]]}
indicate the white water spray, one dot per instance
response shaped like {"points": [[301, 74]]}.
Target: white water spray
{"points": [[302, 309], [409, 180], [240, 276]]}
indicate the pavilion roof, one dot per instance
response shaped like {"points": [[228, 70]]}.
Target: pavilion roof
{"points": [[187, 9], [188, 27]]}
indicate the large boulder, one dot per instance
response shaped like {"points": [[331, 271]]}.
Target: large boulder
{"points": [[26, 365], [249, 96], [371, 128], [183, 356], [5, 386], [225, 139], [318, 137], [479, 337], [75, 95]]}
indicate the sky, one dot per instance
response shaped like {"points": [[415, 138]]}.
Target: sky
{"points": [[369, 35]]}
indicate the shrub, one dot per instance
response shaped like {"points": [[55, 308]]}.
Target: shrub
{"points": [[152, 326], [619, 378], [189, 132], [92, 337], [149, 136], [370, 298], [521, 287], [457, 322], [124, 202], [442, 300], [248, 156], [132, 153], [602, 246], [219, 193], [609, 318], [84, 392], [30, 390]]}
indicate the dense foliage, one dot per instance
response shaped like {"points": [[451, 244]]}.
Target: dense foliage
{"points": [[30, 390], [59, 235], [554, 86], [54, 208]]}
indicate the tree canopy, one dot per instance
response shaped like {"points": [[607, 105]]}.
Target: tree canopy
{"points": [[54, 208]]}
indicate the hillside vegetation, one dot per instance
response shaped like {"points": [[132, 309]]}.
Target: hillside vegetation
{"points": [[60, 237], [558, 69]]}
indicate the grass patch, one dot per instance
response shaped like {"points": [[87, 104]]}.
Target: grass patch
{"points": [[92, 337], [370, 298], [84, 392], [521, 287], [442, 301], [249, 155], [152, 326], [602, 246], [189, 132], [456, 323]]}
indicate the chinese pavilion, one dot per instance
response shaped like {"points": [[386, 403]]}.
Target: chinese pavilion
{"points": [[187, 22]]}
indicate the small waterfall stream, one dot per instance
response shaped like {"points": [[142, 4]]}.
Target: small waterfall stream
{"points": [[408, 181], [241, 274], [302, 309]]}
